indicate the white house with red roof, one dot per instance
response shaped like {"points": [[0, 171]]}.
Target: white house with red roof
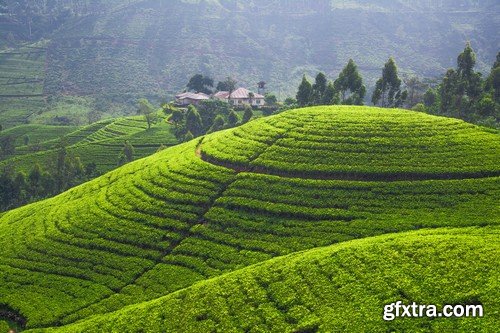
{"points": [[240, 97]]}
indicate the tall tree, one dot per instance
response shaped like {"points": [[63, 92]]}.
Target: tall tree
{"points": [[416, 90], [461, 89], [209, 109], [388, 91], [193, 121], [61, 180], [35, 180], [470, 81], [350, 85], [200, 83], [217, 125], [492, 83], [331, 95], [305, 92], [128, 151], [148, 111], [229, 85], [318, 88], [448, 93]]}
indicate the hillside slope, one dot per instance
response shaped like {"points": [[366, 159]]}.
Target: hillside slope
{"points": [[341, 288], [150, 48], [100, 143], [240, 197], [153, 47]]}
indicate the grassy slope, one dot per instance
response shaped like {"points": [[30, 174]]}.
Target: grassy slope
{"points": [[162, 223], [37, 133], [101, 142], [22, 74], [341, 288]]}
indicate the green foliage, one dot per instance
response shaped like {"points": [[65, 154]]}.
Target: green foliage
{"points": [[210, 109], [188, 137], [148, 111], [420, 107], [232, 119], [350, 85], [430, 97], [318, 88], [96, 146], [389, 152], [127, 152], [193, 121], [270, 99], [247, 115], [194, 230], [305, 92], [177, 116], [331, 95], [333, 288], [4, 326], [200, 83], [461, 88], [289, 101], [217, 125], [388, 91], [227, 85]]}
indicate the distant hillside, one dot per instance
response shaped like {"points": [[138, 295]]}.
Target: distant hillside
{"points": [[151, 48], [155, 46], [100, 143], [292, 182]]}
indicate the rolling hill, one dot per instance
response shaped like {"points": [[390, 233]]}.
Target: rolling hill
{"points": [[341, 288], [292, 182], [100, 143]]}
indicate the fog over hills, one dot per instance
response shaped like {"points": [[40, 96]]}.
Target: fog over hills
{"points": [[151, 48]]}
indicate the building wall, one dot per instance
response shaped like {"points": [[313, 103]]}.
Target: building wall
{"points": [[243, 101]]}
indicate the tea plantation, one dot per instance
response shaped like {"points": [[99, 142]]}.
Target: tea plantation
{"points": [[100, 142], [220, 233], [340, 288]]}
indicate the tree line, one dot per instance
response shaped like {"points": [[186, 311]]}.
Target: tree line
{"points": [[462, 92], [207, 117], [19, 188]]}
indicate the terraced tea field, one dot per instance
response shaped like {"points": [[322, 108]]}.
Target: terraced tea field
{"points": [[101, 142], [340, 288], [259, 229], [22, 74]]}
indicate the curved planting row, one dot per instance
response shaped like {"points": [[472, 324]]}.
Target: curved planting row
{"points": [[165, 222], [117, 128], [334, 289], [107, 233], [360, 144], [100, 143]]}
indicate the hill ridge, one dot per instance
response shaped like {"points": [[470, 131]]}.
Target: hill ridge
{"points": [[105, 240]]}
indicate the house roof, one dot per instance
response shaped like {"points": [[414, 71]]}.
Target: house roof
{"points": [[221, 94], [240, 93], [190, 95]]}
